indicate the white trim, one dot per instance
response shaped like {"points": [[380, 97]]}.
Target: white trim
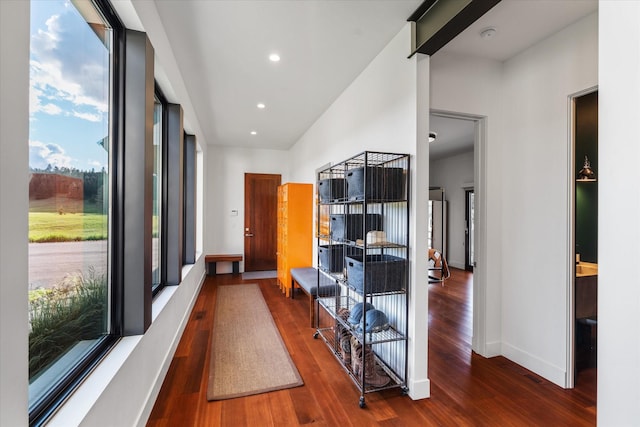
{"points": [[555, 374], [480, 280], [75, 409], [154, 391], [419, 389]]}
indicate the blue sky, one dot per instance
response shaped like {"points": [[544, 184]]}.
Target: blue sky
{"points": [[69, 89]]}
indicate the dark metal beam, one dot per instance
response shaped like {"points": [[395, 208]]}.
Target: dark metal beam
{"points": [[437, 22], [421, 10]]}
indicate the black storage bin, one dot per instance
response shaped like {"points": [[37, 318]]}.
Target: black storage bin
{"points": [[385, 273], [348, 227], [331, 189], [332, 256], [382, 183]]}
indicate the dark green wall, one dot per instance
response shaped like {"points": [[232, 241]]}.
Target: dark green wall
{"points": [[586, 134]]}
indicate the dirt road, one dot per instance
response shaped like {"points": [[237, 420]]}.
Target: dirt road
{"points": [[49, 263]]}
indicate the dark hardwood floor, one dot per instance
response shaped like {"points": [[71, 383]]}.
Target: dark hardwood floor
{"points": [[466, 389]]}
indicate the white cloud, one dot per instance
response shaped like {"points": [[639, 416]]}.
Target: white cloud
{"points": [[41, 155], [88, 116], [66, 66], [51, 109], [34, 99]]}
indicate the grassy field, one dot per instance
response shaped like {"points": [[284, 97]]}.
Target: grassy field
{"points": [[53, 227], [59, 219], [64, 205]]}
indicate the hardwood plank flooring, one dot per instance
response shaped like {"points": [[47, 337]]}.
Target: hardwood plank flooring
{"points": [[466, 389]]}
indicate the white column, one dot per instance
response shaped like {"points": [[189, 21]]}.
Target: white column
{"points": [[14, 209], [619, 214], [418, 381]]}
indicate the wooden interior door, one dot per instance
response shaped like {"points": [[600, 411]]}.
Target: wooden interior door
{"points": [[260, 221]]}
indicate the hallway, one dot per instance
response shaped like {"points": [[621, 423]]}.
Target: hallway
{"points": [[466, 389]]}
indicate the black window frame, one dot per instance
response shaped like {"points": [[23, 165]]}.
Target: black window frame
{"points": [[163, 187], [190, 200], [173, 197]]}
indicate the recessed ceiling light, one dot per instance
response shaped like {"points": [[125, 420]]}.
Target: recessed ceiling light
{"points": [[274, 57], [253, 132], [261, 105]]}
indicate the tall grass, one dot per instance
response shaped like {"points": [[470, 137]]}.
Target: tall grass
{"points": [[73, 310]]}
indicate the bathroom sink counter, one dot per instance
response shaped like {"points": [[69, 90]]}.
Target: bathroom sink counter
{"points": [[584, 269]]}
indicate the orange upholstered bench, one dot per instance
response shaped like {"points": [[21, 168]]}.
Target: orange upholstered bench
{"points": [[211, 260]]}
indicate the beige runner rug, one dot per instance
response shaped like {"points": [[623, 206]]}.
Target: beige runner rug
{"points": [[248, 355]]}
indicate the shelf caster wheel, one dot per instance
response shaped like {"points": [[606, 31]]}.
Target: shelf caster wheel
{"points": [[361, 403], [404, 391], [315, 336]]}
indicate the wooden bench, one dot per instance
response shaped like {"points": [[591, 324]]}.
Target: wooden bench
{"points": [[307, 279], [211, 260]]}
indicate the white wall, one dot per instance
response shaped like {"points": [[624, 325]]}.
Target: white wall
{"points": [[474, 86], [225, 168], [535, 208], [525, 100], [379, 112], [619, 214], [14, 205], [451, 173]]}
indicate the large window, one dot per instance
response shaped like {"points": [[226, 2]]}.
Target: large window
{"points": [[70, 164], [90, 202]]}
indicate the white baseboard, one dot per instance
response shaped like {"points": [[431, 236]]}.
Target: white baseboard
{"points": [[456, 264], [548, 371], [164, 369], [493, 349], [419, 389], [490, 349]]}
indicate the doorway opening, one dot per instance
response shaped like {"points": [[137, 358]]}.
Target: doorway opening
{"points": [[583, 310], [456, 164]]}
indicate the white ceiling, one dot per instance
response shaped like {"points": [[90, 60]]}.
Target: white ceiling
{"points": [[222, 48], [519, 24], [454, 136]]}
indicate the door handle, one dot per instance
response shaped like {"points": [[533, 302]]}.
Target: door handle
{"points": [[248, 235]]}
